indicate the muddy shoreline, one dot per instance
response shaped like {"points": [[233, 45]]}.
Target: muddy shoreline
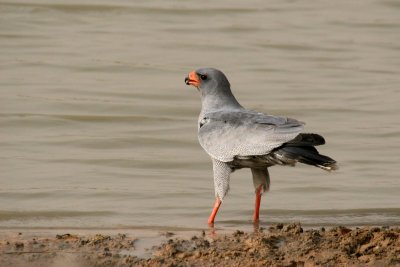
{"points": [[279, 245]]}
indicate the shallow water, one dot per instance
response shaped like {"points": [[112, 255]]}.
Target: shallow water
{"points": [[99, 130]]}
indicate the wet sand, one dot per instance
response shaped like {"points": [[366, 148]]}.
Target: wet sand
{"points": [[279, 245]]}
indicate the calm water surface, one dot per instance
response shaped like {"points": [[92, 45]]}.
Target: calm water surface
{"points": [[97, 128]]}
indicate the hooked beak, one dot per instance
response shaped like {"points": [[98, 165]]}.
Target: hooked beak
{"points": [[193, 79]]}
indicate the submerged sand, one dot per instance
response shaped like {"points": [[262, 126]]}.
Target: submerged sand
{"points": [[280, 245]]}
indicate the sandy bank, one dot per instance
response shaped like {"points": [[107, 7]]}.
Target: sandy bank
{"points": [[280, 245]]}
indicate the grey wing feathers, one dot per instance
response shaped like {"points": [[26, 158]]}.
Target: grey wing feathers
{"points": [[227, 134]]}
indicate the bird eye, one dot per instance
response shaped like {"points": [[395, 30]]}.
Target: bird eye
{"points": [[203, 77]]}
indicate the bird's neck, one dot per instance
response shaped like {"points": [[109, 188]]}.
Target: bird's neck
{"points": [[217, 101]]}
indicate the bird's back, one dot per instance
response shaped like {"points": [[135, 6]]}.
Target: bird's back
{"points": [[226, 134]]}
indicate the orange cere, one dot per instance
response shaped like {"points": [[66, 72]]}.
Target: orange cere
{"points": [[193, 79]]}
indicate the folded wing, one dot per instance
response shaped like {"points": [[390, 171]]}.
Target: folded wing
{"points": [[226, 134]]}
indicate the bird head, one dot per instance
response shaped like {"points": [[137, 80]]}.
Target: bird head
{"points": [[208, 80]]}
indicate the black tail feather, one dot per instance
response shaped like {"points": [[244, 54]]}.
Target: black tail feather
{"points": [[307, 139], [301, 149]]}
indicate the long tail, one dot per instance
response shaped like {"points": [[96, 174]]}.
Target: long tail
{"points": [[301, 149]]}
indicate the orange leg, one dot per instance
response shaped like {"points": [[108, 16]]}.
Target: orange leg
{"points": [[256, 215], [215, 210]]}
